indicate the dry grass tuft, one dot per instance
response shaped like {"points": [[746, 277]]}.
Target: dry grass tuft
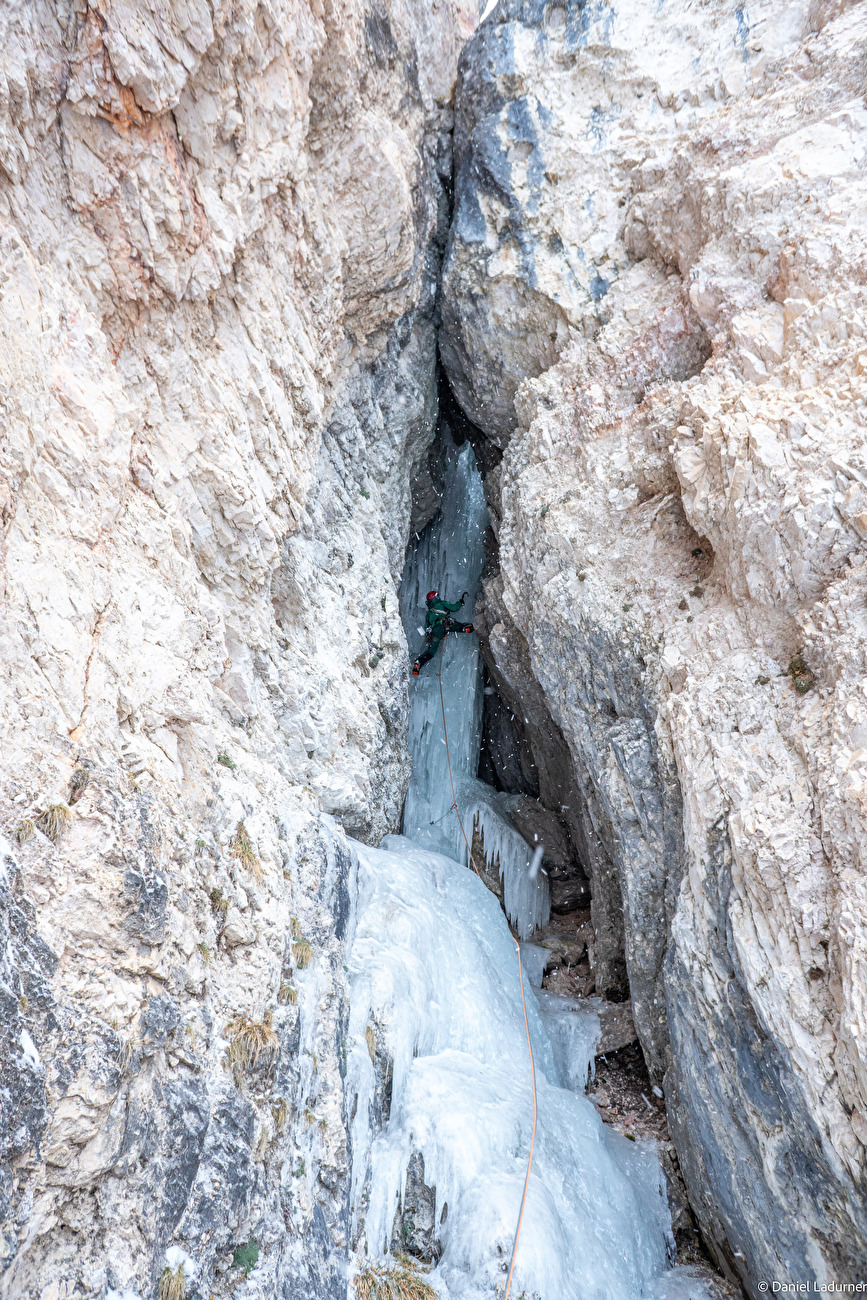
{"points": [[803, 678], [219, 903], [251, 1039], [243, 849], [287, 995], [280, 1114], [402, 1281], [24, 830], [302, 953], [54, 821], [172, 1284], [125, 1054]]}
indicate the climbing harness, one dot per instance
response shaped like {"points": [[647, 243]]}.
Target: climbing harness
{"points": [[520, 983]]}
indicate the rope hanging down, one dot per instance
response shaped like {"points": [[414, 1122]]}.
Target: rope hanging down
{"points": [[520, 983]]}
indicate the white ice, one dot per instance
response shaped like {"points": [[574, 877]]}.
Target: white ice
{"points": [[572, 1026], [435, 990], [535, 958], [434, 967], [682, 1283], [449, 557], [526, 898]]}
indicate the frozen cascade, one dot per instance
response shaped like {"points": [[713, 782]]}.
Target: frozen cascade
{"points": [[437, 1062], [572, 1025], [434, 971], [449, 556]]}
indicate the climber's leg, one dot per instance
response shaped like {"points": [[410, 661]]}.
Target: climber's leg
{"points": [[424, 658], [432, 644]]}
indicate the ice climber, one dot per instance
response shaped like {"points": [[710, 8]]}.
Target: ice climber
{"points": [[438, 621]]}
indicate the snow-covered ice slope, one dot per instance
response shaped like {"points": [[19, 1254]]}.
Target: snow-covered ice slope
{"points": [[434, 972]]}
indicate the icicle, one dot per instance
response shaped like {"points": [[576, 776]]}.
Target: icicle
{"points": [[534, 959], [573, 1032], [526, 898]]}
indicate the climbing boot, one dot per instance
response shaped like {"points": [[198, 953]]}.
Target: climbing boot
{"points": [[467, 627], [416, 668]]}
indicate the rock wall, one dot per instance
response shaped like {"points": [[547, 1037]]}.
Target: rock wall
{"points": [[220, 240], [654, 299]]}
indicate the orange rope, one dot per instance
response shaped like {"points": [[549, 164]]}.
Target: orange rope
{"points": [[520, 982]]}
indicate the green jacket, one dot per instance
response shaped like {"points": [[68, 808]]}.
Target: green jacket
{"points": [[437, 612]]}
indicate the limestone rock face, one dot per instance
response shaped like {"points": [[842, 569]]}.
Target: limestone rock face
{"points": [[220, 233], [559, 106], [674, 197]]}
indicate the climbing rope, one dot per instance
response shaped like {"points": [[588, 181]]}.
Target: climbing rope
{"points": [[520, 983]]}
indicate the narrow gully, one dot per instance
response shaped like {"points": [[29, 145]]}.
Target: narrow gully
{"points": [[436, 1006]]}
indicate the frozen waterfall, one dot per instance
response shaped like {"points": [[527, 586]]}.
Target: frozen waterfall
{"points": [[449, 556], [434, 972], [437, 1062]]}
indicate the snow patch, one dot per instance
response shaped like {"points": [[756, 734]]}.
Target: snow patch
{"points": [[28, 1047], [177, 1257]]}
